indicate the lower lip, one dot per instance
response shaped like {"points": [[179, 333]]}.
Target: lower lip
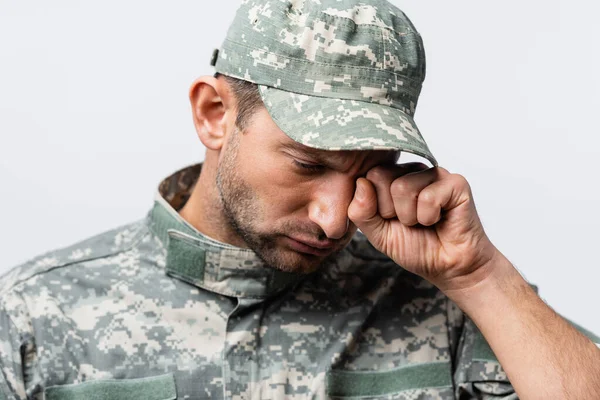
{"points": [[304, 248]]}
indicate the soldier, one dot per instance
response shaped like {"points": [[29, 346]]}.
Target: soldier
{"points": [[249, 280]]}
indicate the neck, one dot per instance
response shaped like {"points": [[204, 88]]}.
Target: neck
{"points": [[204, 209]]}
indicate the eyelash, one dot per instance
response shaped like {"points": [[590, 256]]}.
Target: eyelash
{"points": [[309, 167]]}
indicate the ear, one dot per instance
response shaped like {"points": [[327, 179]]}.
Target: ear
{"points": [[213, 110]]}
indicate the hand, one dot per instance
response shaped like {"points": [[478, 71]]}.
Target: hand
{"points": [[425, 220]]}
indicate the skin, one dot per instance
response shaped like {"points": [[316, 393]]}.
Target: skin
{"points": [[261, 195], [252, 193]]}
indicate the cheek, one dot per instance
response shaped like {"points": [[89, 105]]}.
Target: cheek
{"points": [[279, 189], [272, 177]]}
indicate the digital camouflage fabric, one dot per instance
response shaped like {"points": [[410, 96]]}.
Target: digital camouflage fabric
{"points": [[156, 310], [333, 74]]}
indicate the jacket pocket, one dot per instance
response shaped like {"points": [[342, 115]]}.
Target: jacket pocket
{"points": [[421, 379], [161, 387]]}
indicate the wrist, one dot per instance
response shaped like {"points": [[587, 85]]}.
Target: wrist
{"points": [[488, 285]]}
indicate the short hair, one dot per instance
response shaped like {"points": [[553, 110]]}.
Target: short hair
{"points": [[247, 98]]}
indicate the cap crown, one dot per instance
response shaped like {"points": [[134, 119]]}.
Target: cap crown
{"points": [[364, 50]]}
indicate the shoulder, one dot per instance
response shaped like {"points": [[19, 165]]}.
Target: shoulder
{"points": [[104, 245]]}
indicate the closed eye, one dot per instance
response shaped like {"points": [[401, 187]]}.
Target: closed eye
{"points": [[310, 167]]}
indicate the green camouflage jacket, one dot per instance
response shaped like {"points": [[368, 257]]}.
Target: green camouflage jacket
{"points": [[155, 310]]}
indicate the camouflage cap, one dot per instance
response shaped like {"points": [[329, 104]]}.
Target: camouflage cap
{"points": [[333, 74]]}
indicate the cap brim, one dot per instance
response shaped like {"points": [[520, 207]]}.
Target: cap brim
{"points": [[337, 124]]}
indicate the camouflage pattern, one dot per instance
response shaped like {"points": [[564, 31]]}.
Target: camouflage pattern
{"points": [[156, 310], [333, 74]]}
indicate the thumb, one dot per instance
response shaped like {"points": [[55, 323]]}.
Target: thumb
{"points": [[363, 212]]}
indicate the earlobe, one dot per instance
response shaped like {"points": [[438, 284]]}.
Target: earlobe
{"points": [[209, 111]]}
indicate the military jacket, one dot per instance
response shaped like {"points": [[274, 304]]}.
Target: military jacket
{"points": [[156, 310]]}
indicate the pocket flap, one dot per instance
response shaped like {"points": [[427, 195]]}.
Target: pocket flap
{"points": [[161, 387], [380, 383]]}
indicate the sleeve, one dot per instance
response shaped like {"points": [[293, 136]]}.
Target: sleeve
{"points": [[15, 347], [478, 374]]}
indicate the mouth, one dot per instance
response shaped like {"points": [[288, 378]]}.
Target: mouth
{"points": [[321, 249]]}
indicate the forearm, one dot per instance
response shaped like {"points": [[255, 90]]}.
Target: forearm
{"points": [[542, 354]]}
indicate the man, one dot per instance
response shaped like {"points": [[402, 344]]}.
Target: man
{"points": [[248, 278]]}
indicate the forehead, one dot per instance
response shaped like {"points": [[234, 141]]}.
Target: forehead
{"points": [[265, 131]]}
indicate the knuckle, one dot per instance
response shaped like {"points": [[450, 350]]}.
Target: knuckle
{"points": [[410, 167], [460, 180], [458, 177], [378, 174], [427, 197], [399, 187]]}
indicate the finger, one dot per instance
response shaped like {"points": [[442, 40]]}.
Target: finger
{"points": [[445, 194], [362, 211], [382, 177], [429, 203], [405, 192]]}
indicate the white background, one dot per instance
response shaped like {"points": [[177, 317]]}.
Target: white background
{"points": [[94, 112]]}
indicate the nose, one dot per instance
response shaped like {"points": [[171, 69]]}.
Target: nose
{"points": [[329, 207]]}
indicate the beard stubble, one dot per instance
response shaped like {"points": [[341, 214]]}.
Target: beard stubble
{"points": [[242, 208]]}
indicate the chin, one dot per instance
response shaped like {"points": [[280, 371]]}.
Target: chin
{"points": [[295, 262]]}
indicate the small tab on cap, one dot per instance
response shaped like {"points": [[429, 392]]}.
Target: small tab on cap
{"points": [[215, 55]]}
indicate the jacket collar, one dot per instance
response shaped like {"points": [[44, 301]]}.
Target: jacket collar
{"points": [[202, 261]]}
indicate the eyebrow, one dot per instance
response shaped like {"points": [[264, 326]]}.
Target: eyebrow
{"points": [[304, 150]]}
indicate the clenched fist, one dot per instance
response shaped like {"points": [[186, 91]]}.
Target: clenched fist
{"points": [[425, 220]]}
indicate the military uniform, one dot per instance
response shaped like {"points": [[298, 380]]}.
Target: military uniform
{"points": [[160, 301], [156, 310]]}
